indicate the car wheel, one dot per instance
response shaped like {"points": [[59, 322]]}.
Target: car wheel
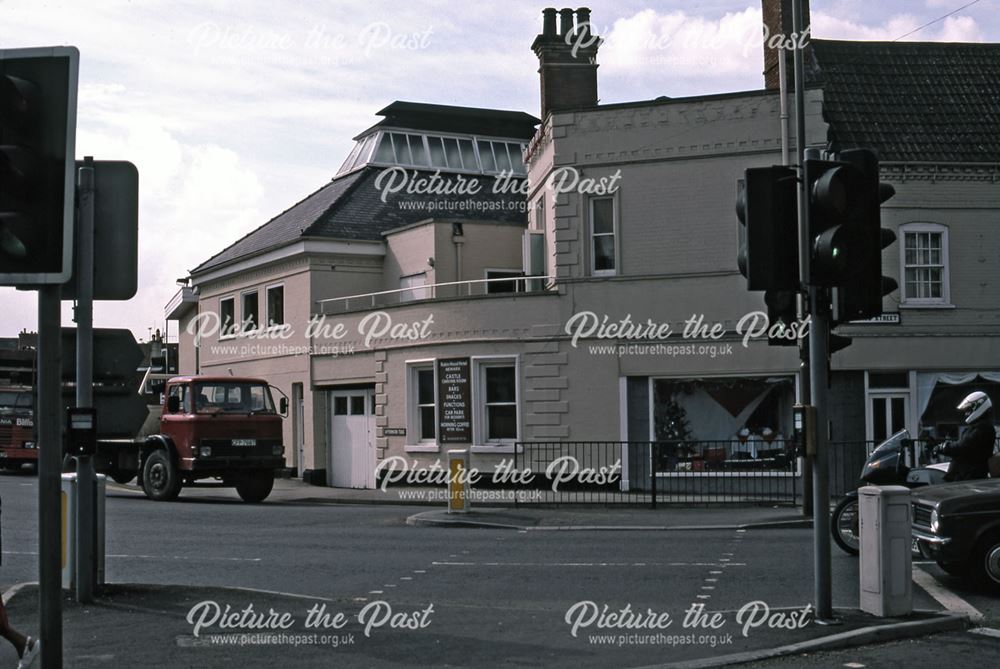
{"points": [[160, 479], [986, 562], [844, 525], [255, 486]]}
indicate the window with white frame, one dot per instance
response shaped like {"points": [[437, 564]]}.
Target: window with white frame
{"points": [[227, 316], [423, 406], [251, 311], [275, 305], [924, 266], [603, 226], [498, 402]]}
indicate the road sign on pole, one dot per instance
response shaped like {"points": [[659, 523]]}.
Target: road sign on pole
{"points": [[115, 195]]}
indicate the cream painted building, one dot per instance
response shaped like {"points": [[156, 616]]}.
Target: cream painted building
{"points": [[396, 316]]}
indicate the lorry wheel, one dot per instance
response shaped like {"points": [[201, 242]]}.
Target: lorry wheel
{"points": [[160, 478], [844, 525], [255, 486], [986, 562]]}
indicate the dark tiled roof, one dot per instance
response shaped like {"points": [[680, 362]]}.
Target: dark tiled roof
{"points": [[350, 208], [912, 101]]}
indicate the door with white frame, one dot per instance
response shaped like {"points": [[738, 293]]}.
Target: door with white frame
{"points": [[887, 414], [352, 439]]}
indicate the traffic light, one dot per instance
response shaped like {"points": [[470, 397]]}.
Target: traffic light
{"points": [[37, 146], [836, 204], [768, 232], [860, 295]]}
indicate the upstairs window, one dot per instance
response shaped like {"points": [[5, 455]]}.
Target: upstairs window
{"points": [[603, 228], [924, 270], [275, 305], [251, 311], [227, 316]]}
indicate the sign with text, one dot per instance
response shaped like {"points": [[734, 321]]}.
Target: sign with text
{"points": [[454, 401]]}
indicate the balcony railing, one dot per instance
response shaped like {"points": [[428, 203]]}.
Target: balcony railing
{"points": [[449, 289]]}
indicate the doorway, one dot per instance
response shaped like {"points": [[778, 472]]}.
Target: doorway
{"points": [[352, 439]]}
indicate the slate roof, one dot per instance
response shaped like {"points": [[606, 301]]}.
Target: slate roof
{"points": [[912, 101], [350, 208]]}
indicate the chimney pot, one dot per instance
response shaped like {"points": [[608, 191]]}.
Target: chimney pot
{"points": [[583, 22], [549, 22], [565, 22]]}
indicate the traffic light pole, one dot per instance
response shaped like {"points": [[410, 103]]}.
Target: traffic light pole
{"points": [[84, 315], [819, 330], [49, 422]]}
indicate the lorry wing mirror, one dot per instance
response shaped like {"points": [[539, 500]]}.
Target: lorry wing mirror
{"points": [[173, 404], [283, 405]]}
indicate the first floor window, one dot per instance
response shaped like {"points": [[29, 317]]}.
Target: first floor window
{"points": [[497, 286], [251, 312], [275, 305], [925, 263], [499, 385], [227, 316], [602, 230]]}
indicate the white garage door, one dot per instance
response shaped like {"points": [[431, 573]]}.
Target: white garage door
{"points": [[352, 439]]}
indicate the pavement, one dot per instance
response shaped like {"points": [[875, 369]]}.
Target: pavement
{"points": [[160, 618]]}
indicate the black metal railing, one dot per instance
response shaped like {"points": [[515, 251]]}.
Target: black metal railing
{"points": [[651, 473]]}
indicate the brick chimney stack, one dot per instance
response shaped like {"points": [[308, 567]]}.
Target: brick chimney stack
{"points": [[567, 60], [777, 16]]}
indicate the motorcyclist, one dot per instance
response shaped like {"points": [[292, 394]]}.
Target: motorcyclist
{"points": [[971, 453]]}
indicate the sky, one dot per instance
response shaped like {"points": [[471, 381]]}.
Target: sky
{"points": [[233, 111]]}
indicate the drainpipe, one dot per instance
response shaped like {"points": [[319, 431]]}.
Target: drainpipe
{"points": [[458, 238]]}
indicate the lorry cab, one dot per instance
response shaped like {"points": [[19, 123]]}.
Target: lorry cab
{"points": [[222, 427]]}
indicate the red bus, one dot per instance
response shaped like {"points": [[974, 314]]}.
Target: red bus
{"points": [[17, 427]]}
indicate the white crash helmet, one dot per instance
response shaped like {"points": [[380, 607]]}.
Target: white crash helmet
{"points": [[975, 405]]}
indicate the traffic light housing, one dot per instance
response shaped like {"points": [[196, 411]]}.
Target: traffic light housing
{"points": [[768, 232], [37, 145], [846, 234], [859, 296]]}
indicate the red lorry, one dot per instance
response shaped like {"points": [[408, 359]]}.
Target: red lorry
{"points": [[17, 427], [211, 427]]}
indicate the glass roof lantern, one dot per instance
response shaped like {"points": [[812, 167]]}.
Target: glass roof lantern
{"points": [[436, 152]]}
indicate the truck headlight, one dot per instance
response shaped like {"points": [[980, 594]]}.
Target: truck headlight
{"points": [[935, 524], [205, 451], [278, 450]]}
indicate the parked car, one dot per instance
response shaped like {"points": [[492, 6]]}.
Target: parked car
{"points": [[958, 526]]}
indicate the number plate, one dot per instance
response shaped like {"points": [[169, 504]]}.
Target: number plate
{"points": [[244, 442]]}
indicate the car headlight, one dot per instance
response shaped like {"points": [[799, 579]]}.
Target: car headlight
{"points": [[935, 521], [205, 451]]}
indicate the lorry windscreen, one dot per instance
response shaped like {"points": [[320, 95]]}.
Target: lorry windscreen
{"points": [[233, 397], [15, 402]]}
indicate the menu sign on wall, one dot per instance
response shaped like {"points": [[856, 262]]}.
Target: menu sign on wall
{"points": [[454, 401]]}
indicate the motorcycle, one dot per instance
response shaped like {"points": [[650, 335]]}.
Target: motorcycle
{"points": [[885, 466]]}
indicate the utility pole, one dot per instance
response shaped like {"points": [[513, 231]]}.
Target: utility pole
{"points": [[86, 501]]}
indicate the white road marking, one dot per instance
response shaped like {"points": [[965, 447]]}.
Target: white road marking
{"points": [[703, 596], [855, 665], [945, 597], [589, 564], [711, 580], [419, 571], [155, 557], [375, 592], [986, 631], [708, 587], [405, 578]]}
